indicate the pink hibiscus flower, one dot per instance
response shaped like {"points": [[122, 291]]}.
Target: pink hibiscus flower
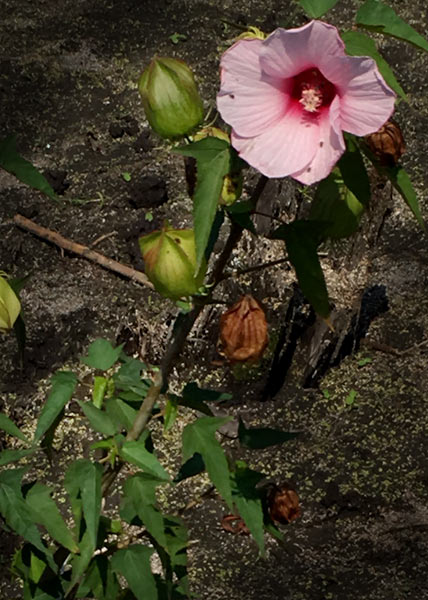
{"points": [[288, 99]]}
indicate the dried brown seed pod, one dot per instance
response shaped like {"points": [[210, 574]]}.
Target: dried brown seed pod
{"points": [[234, 524], [243, 331], [387, 144], [283, 504]]}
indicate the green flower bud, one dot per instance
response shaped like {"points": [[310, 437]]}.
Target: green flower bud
{"points": [[170, 97], [10, 307], [170, 262]]}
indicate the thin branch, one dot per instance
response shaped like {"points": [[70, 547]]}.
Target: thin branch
{"points": [[80, 250]]}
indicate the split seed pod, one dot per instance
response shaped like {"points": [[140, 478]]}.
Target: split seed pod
{"points": [[243, 331], [387, 144], [283, 503]]}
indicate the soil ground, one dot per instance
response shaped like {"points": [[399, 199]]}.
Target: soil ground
{"points": [[68, 80]]}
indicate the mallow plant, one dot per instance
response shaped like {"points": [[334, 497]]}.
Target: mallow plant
{"points": [[311, 103]]}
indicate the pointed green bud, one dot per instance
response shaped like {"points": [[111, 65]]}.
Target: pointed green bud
{"points": [[170, 262], [170, 97], [10, 307]]}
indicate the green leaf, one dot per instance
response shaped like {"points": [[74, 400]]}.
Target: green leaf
{"points": [[214, 159], [120, 413], [136, 453], [193, 466], [302, 239], [46, 513], [248, 501], [200, 437], [141, 490], [9, 427], [240, 212], [84, 478], [11, 456], [134, 564], [263, 437], [63, 384], [336, 206], [358, 44], [193, 392], [100, 580], [80, 562], [18, 515], [171, 411], [316, 8], [13, 162], [101, 355], [354, 172], [99, 390], [376, 16], [99, 420]]}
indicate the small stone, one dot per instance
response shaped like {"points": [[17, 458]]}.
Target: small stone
{"points": [[57, 180], [143, 142]]}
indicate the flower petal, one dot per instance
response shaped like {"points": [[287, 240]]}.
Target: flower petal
{"points": [[284, 148], [331, 146], [287, 52], [366, 101], [249, 100]]}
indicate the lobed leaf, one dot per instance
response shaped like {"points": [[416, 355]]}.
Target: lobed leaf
{"points": [[9, 427], [136, 453], [248, 501], [11, 456], [99, 420]]}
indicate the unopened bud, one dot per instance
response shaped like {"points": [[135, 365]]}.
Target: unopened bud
{"points": [[243, 331], [387, 144], [170, 262], [10, 307], [170, 97]]}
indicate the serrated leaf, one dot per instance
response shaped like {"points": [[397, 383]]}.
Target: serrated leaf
{"points": [[84, 477], [316, 8], [135, 452], [47, 514], [141, 490], [213, 157], [263, 437], [101, 355], [358, 44], [248, 501], [193, 466], [63, 384], [9, 427], [99, 420], [302, 239], [134, 564], [14, 163], [11, 456], [337, 206], [200, 437], [376, 16]]}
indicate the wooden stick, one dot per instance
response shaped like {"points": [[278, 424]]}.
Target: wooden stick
{"points": [[62, 242]]}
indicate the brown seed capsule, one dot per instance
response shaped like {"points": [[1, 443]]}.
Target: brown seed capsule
{"points": [[283, 503], [387, 144], [243, 331]]}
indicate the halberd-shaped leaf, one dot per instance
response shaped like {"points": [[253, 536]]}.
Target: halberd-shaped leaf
{"points": [[134, 564], [136, 453], [63, 384], [101, 355], [248, 500]]}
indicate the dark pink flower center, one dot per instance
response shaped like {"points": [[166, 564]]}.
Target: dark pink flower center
{"points": [[312, 90]]}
